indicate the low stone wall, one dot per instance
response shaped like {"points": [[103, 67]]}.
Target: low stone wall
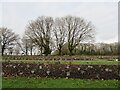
{"points": [[104, 72]]}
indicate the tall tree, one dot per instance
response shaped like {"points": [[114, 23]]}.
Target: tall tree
{"points": [[7, 39], [78, 30], [24, 45], [60, 33], [39, 31], [27, 45]]}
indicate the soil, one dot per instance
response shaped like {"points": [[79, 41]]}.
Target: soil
{"points": [[103, 72]]}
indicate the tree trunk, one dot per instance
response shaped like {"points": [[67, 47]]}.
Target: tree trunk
{"points": [[31, 51], [41, 50], [71, 51], [26, 51], [3, 49], [2, 52], [60, 52], [47, 51]]}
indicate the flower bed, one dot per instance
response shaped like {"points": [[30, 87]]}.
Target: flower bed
{"points": [[104, 72]]}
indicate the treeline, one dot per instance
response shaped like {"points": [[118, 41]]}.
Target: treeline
{"points": [[92, 49], [60, 36]]}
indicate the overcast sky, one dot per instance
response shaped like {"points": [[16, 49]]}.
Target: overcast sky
{"points": [[104, 16]]}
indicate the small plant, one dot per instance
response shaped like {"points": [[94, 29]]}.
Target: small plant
{"points": [[57, 62]]}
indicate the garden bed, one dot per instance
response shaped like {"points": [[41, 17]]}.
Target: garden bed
{"points": [[103, 72]]}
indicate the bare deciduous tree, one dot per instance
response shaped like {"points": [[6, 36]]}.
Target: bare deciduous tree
{"points": [[27, 45], [39, 31], [60, 33], [17, 50], [78, 30], [7, 39]]}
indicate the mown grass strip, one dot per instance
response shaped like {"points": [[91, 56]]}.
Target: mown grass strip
{"points": [[65, 62], [57, 83]]}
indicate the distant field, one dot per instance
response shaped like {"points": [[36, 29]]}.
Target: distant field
{"points": [[57, 83]]}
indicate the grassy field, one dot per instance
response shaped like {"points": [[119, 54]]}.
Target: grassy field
{"points": [[67, 62], [57, 83]]}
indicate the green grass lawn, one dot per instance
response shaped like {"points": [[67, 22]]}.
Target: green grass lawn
{"points": [[57, 83], [0, 82], [67, 62], [96, 63]]}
